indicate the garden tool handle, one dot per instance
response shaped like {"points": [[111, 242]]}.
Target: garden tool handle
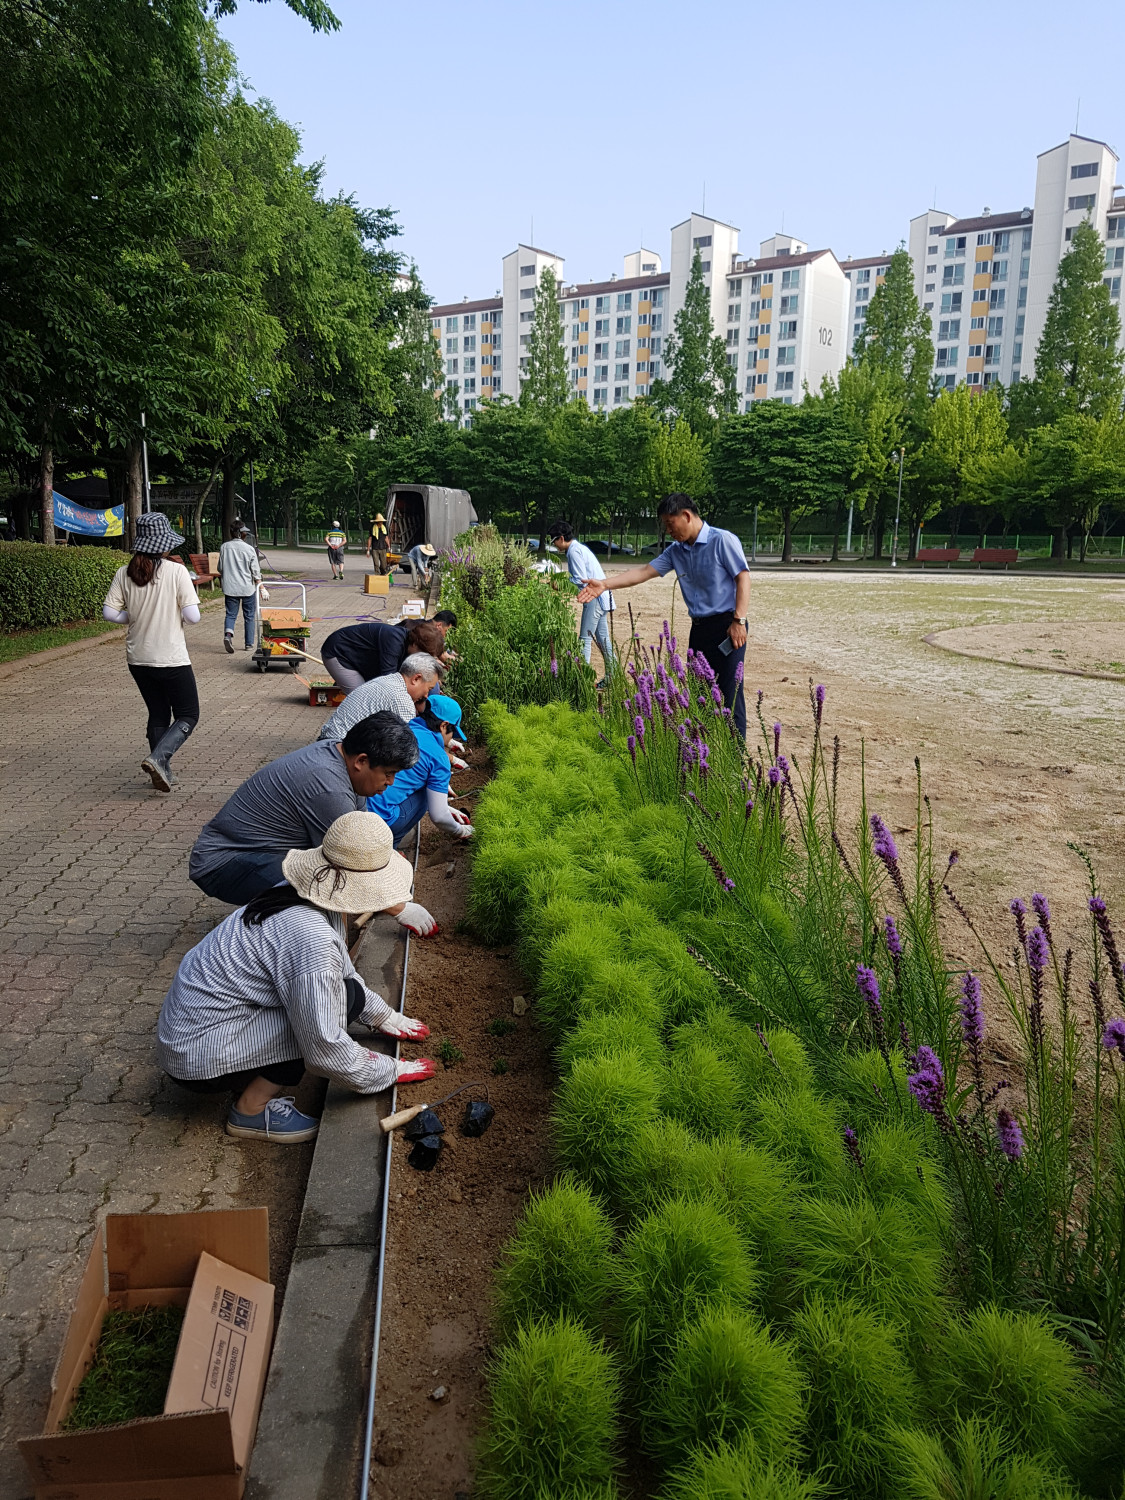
{"points": [[403, 1117]]}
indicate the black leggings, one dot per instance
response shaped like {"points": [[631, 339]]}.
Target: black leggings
{"points": [[170, 694], [288, 1073]]}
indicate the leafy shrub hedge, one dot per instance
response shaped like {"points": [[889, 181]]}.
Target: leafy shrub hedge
{"points": [[53, 585]]}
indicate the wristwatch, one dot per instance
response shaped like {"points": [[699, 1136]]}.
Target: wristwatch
{"points": [[743, 622]]}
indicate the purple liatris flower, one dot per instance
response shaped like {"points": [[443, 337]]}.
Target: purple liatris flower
{"points": [[851, 1146], [1019, 911], [739, 673], [776, 739], [927, 1084], [554, 666], [678, 665], [819, 696], [1037, 950], [1113, 1037], [632, 744], [894, 941], [867, 982], [720, 874], [639, 727], [761, 695], [749, 807], [887, 851], [972, 1012], [1009, 1134], [1109, 943], [783, 766], [773, 776]]}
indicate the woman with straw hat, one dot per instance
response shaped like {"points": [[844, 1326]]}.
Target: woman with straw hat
{"points": [[154, 594], [378, 543], [271, 991]]}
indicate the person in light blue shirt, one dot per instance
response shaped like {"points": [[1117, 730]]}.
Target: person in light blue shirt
{"points": [[424, 786], [583, 566], [715, 581]]}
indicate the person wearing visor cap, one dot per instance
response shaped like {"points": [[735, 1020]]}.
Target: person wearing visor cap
{"points": [[424, 786], [270, 992]]}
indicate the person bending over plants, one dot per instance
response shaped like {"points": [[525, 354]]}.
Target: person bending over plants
{"points": [[271, 991], [424, 786]]}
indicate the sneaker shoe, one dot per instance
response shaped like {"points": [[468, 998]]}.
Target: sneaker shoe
{"points": [[281, 1122], [228, 642]]}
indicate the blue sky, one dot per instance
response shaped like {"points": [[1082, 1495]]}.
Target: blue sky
{"points": [[601, 122]]}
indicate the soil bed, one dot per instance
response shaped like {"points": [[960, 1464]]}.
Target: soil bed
{"points": [[447, 1226]]}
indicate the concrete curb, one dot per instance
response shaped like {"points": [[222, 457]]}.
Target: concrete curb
{"points": [[310, 1435]]}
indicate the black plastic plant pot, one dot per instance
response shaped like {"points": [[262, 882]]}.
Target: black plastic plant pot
{"points": [[478, 1117], [424, 1153], [427, 1123]]}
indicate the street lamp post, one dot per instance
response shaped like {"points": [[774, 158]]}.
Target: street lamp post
{"points": [[898, 509], [754, 540]]}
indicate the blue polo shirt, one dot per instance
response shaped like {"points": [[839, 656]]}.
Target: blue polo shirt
{"points": [[582, 565], [431, 770], [706, 568]]}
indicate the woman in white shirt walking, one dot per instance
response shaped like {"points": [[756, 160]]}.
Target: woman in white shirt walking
{"points": [[154, 595]]}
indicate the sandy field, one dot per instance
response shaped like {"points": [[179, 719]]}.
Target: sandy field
{"points": [[1016, 762]]}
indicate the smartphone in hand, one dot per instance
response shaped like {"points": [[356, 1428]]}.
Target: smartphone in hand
{"points": [[726, 645]]}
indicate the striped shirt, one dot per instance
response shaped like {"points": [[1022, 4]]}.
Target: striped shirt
{"points": [[381, 693], [246, 997]]}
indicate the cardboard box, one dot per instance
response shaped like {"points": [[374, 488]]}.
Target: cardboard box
{"points": [[376, 583], [414, 609], [216, 1265]]}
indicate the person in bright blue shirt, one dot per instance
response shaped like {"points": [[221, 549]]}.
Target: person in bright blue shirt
{"points": [[425, 787], [715, 582], [583, 566]]}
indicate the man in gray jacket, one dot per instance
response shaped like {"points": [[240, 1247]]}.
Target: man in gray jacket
{"points": [[242, 578]]}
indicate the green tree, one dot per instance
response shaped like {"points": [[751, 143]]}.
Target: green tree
{"points": [[701, 388], [872, 413], [545, 384], [896, 342], [509, 462], [789, 459], [964, 429], [1074, 467], [1078, 365]]}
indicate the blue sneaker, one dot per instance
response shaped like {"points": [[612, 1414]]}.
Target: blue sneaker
{"points": [[281, 1122]]}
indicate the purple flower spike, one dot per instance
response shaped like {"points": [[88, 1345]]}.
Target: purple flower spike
{"points": [[776, 739], [1037, 950], [1009, 1134], [783, 766], [773, 776], [954, 856], [678, 665], [887, 851], [894, 941], [1040, 907], [632, 744], [972, 1012], [927, 1084], [867, 982], [761, 695], [851, 1146], [749, 807], [720, 874], [821, 694], [716, 697], [1109, 943], [639, 727], [739, 672], [1113, 1037], [554, 667], [1019, 911]]}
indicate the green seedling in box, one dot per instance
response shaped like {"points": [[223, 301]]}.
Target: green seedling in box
{"points": [[131, 1369]]}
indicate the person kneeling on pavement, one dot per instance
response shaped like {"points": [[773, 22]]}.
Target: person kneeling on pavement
{"points": [[290, 804], [424, 786], [269, 993]]}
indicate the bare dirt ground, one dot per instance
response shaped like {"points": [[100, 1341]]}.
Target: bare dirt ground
{"points": [[1016, 763], [447, 1226]]}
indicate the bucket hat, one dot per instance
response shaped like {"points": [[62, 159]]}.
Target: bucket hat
{"points": [[427, 550], [154, 534], [353, 869]]}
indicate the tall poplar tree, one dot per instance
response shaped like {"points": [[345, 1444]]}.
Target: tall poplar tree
{"points": [[1078, 365], [702, 386], [896, 342], [545, 383]]}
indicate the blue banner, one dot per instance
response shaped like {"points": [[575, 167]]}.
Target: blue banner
{"points": [[76, 518]]}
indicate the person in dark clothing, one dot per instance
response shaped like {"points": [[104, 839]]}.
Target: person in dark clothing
{"points": [[357, 653]]}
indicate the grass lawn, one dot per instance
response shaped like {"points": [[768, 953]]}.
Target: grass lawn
{"points": [[17, 643]]}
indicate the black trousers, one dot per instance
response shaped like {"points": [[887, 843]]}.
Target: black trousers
{"points": [[288, 1073], [707, 634], [170, 694]]}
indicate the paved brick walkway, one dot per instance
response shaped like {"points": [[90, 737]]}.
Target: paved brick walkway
{"points": [[96, 911]]}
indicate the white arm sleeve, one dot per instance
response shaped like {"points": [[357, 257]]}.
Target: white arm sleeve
{"points": [[190, 613], [117, 616], [437, 805]]}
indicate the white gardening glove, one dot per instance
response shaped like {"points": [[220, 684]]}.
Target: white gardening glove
{"points": [[456, 744], [458, 764], [417, 919], [465, 828], [404, 1026]]}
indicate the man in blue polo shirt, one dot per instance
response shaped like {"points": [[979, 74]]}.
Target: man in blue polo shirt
{"points": [[715, 583]]}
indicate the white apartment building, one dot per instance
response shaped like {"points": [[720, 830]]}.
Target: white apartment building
{"points": [[986, 281], [864, 276], [614, 331]]}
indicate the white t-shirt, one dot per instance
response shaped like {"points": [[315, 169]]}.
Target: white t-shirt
{"points": [[156, 630]]}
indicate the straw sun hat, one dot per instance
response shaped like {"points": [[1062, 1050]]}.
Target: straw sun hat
{"points": [[355, 869]]}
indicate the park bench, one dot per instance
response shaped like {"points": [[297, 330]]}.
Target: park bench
{"points": [[200, 571], [944, 555], [995, 557]]}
